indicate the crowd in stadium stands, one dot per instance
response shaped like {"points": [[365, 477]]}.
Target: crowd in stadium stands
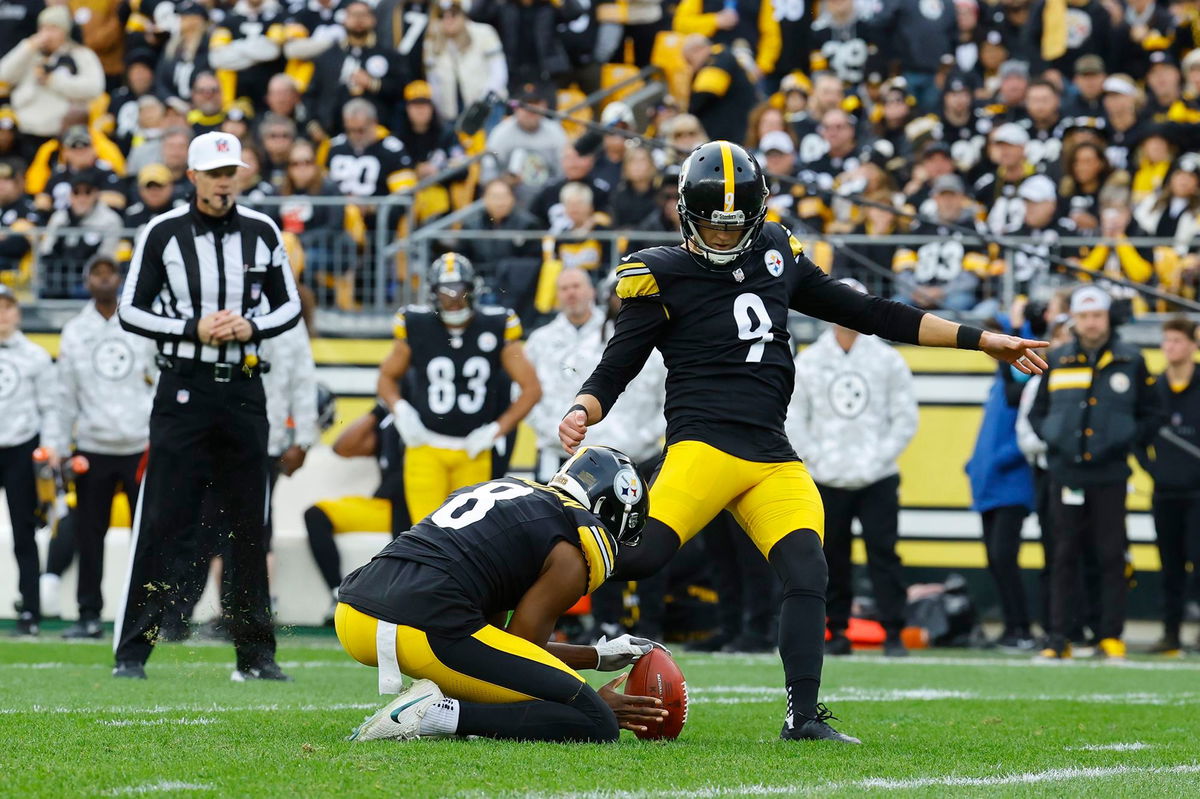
{"points": [[1065, 122]]}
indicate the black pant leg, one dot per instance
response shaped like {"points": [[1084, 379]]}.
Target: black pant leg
{"points": [[1070, 522], [320, 540], [93, 509], [564, 708], [839, 505], [1002, 539], [759, 591], [178, 465], [1106, 518], [16, 465], [718, 537], [1170, 533], [1041, 491], [878, 510], [240, 487]]}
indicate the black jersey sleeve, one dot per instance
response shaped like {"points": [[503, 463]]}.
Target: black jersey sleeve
{"points": [[819, 295], [638, 325]]}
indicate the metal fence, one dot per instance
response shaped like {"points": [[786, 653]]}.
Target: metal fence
{"points": [[359, 273]]}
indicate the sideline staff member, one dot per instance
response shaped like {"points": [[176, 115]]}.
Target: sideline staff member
{"points": [[208, 281]]}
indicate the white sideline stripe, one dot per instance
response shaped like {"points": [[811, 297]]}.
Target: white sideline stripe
{"points": [[693, 661], [286, 664], [884, 783], [160, 709], [1134, 746], [200, 722], [158, 787], [738, 694]]}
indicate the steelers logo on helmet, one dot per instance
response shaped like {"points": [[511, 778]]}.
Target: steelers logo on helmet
{"points": [[452, 288], [603, 481], [722, 204]]}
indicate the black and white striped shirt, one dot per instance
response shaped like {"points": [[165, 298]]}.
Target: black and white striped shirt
{"points": [[187, 265]]}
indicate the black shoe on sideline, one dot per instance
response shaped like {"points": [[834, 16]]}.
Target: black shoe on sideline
{"points": [[838, 645], [714, 643], [749, 645], [130, 670], [84, 628], [893, 647], [814, 728], [1018, 642], [267, 671], [26, 626]]}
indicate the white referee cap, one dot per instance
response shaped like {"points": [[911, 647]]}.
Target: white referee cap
{"points": [[213, 151]]}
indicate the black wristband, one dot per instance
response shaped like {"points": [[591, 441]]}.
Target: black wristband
{"points": [[968, 337], [576, 407]]}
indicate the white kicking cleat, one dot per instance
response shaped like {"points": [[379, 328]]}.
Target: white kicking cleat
{"points": [[400, 720]]}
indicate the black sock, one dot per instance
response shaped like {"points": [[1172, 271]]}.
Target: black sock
{"points": [[800, 563], [324, 550], [585, 718]]}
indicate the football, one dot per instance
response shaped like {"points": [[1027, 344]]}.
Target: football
{"points": [[655, 674]]}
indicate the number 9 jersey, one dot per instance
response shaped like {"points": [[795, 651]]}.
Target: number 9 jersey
{"points": [[454, 375], [724, 339]]}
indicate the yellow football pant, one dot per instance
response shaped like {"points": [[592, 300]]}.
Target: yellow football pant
{"points": [[769, 500], [358, 514], [432, 474], [490, 665]]}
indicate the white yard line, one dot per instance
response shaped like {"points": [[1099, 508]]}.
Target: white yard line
{"points": [[739, 694], [1134, 746], [1012, 661], [165, 786], [199, 722], [286, 664], [885, 784]]}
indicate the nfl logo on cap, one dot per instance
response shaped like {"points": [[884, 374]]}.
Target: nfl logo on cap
{"points": [[214, 150]]}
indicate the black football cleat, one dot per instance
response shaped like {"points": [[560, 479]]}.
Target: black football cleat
{"points": [[26, 626], [814, 728], [84, 628], [838, 645], [893, 647], [267, 671], [130, 670]]}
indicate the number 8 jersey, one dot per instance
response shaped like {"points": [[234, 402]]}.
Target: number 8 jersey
{"points": [[724, 339], [455, 374]]}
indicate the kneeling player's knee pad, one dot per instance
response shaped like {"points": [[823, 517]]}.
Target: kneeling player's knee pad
{"points": [[799, 561]]}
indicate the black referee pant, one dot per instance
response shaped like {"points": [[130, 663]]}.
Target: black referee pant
{"points": [[94, 492], [16, 477], [204, 436], [877, 508]]}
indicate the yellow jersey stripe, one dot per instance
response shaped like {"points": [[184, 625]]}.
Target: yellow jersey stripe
{"points": [[400, 326], [727, 169], [594, 554], [512, 328], [1076, 377], [637, 286], [630, 265]]}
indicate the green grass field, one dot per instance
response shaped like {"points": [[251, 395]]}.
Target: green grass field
{"points": [[946, 723]]}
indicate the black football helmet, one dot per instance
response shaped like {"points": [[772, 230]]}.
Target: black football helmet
{"points": [[604, 481], [721, 187], [452, 279]]}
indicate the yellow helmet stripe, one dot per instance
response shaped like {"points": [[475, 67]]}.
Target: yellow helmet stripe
{"points": [[450, 270], [727, 169]]}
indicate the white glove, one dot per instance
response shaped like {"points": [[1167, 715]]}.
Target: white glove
{"points": [[408, 424], [618, 653], [481, 439]]}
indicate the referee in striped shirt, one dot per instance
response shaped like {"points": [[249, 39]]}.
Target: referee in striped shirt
{"points": [[208, 282]]}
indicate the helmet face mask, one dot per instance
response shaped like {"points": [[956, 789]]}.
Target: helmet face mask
{"points": [[604, 481], [452, 287], [721, 190]]}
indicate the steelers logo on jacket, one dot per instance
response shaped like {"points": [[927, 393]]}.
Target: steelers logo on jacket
{"points": [[848, 394], [112, 359], [10, 379]]}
